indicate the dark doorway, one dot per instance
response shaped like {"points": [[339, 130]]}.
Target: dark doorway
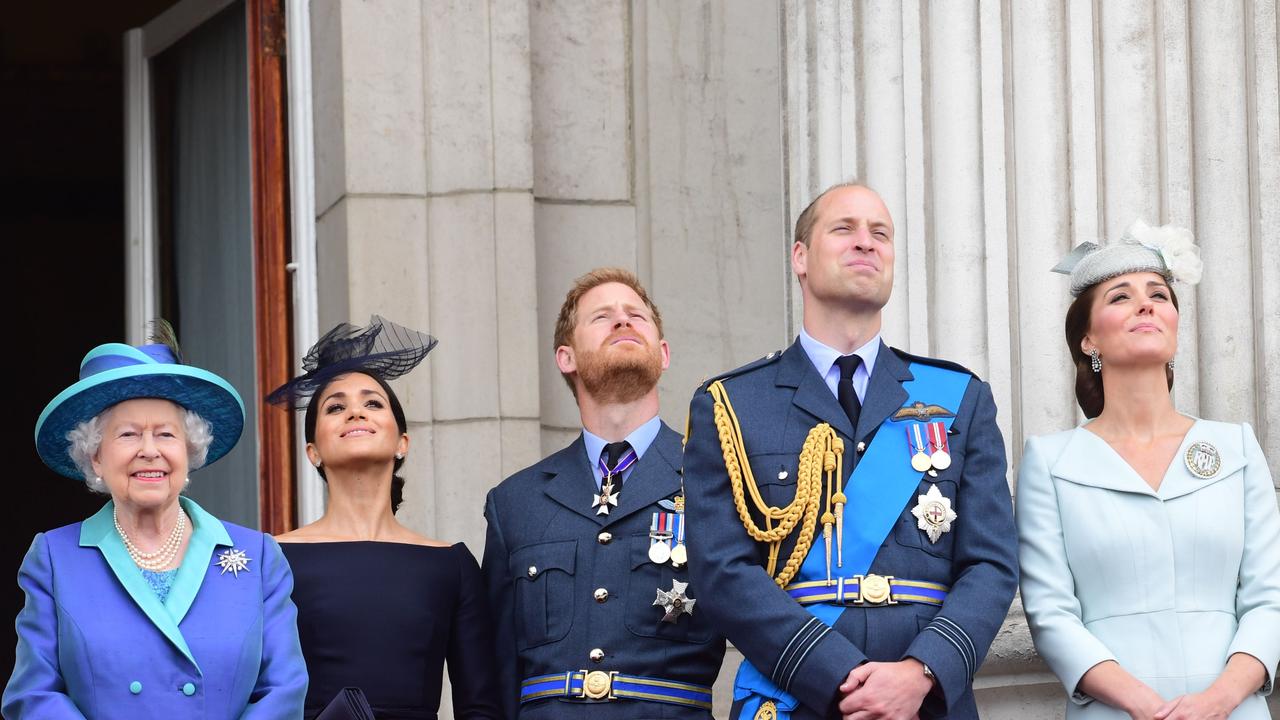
{"points": [[63, 220]]}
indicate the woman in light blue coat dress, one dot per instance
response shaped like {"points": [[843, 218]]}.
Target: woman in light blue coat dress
{"points": [[1150, 540], [152, 608]]}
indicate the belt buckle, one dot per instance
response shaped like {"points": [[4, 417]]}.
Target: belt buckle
{"points": [[598, 685], [875, 590]]}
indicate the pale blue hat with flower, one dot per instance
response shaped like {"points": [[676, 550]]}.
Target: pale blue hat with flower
{"points": [[1168, 250]]}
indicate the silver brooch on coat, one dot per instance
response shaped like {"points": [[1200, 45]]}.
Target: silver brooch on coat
{"points": [[234, 561], [1203, 460]]}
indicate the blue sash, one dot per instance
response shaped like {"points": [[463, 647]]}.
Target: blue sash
{"points": [[877, 491]]}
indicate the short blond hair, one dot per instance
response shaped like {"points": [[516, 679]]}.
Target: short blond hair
{"points": [[568, 318]]}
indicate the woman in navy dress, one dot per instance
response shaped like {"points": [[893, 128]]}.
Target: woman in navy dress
{"points": [[380, 607]]}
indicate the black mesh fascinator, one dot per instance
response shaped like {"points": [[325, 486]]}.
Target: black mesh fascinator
{"points": [[383, 348]]}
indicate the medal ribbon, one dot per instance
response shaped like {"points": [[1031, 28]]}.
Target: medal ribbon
{"points": [[938, 436], [878, 489], [624, 463], [914, 440]]}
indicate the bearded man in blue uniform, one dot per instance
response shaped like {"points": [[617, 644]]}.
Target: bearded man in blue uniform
{"points": [[852, 529], [585, 553]]}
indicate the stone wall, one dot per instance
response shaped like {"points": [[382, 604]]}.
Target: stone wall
{"points": [[474, 157]]}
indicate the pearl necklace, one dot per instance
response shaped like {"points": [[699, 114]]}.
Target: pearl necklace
{"points": [[160, 559]]}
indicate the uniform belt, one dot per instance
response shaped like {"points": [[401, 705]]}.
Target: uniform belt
{"points": [[868, 591], [603, 686]]}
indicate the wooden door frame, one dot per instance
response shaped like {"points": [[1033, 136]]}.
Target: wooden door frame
{"points": [[268, 142]]}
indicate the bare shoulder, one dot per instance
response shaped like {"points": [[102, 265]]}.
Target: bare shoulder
{"points": [[412, 538], [304, 534]]}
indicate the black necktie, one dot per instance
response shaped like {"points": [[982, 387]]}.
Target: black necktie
{"points": [[845, 393], [613, 452]]}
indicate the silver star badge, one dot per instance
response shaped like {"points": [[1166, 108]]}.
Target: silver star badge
{"points": [[674, 601], [234, 561], [933, 513], [603, 499]]}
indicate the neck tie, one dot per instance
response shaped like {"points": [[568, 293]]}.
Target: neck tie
{"points": [[613, 463], [845, 393]]}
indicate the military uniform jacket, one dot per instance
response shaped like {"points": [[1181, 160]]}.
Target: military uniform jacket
{"points": [[778, 400], [547, 553]]}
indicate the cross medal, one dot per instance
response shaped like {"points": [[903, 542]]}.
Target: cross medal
{"points": [[607, 497]]}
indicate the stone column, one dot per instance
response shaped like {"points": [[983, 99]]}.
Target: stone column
{"points": [[425, 215]]}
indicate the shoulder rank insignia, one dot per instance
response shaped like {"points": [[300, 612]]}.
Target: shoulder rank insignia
{"points": [[921, 412]]}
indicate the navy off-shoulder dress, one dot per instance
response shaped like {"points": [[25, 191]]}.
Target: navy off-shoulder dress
{"points": [[387, 618]]}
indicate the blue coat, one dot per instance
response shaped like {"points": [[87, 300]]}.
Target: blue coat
{"points": [[778, 400], [546, 554], [94, 640], [1169, 583]]}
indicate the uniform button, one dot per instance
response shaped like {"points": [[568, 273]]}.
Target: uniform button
{"points": [[604, 538], [135, 687], [533, 571], [189, 689], [782, 474], [597, 655], [861, 446], [601, 594]]}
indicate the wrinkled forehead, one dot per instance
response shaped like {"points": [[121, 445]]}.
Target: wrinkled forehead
{"points": [[855, 203]]}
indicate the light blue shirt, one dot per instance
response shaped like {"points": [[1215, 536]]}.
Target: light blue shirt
{"points": [[824, 359], [640, 438]]}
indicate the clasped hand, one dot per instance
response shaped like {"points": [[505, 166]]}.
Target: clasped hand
{"points": [[884, 691]]}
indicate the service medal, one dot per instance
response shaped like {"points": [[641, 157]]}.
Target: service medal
{"points": [[920, 460], [679, 555], [933, 513], [941, 459], [660, 531]]}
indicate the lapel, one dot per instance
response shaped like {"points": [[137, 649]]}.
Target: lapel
{"points": [[1088, 460], [1225, 438], [796, 371], [884, 391], [571, 482], [654, 477], [208, 533], [99, 531]]}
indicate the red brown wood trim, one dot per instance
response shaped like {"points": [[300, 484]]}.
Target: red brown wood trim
{"points": [[268, 149]]}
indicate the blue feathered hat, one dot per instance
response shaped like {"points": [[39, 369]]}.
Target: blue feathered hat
{"points": [[115, 372]]}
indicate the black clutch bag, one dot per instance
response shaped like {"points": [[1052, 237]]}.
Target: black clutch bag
{"points": [[349, 704]]}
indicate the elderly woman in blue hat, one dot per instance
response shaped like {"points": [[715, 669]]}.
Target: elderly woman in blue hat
{"points": [[1149, 539], [151, 608]]}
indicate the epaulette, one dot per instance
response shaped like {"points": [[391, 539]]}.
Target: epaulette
{"points": [[945, 364], [758, 363]]}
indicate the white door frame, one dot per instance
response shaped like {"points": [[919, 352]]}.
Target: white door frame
{"points": [[141, 45]]}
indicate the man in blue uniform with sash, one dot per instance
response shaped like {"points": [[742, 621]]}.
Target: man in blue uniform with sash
{"points": [[585, 557], [852, 526]]}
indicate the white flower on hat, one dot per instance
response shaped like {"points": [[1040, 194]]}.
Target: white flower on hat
{"points": [[1176, 246]]}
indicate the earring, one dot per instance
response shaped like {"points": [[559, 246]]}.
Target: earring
{"points": [[399, 456], [1170, 364], [319, 463], [1095, 360]]}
